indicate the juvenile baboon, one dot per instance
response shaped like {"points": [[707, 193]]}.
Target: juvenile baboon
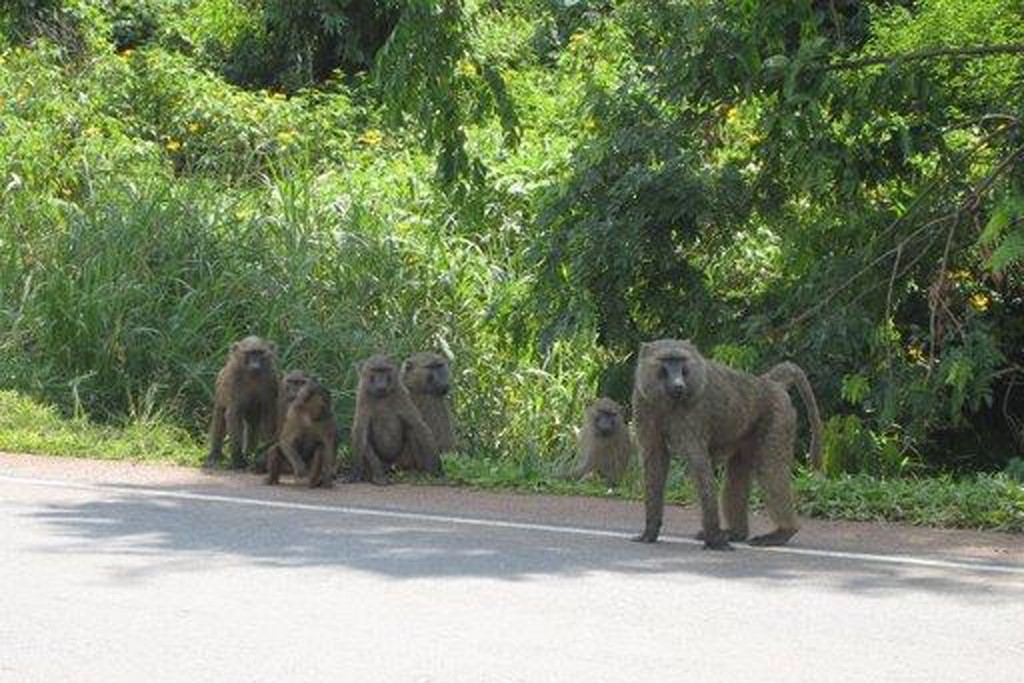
{"points": [[427, 376], [290, 386], [686, 404], [605, 444], [287, 390], [387, 428], [308, 431], [245, 400]]}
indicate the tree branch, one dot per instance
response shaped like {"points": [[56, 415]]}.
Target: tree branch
{"points": [[973, 51]]}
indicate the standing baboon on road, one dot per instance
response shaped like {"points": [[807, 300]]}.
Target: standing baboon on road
{"points": [[387, 428], [427, 376], [605, 444], [307, 432], [684, 403], [245, 400]]}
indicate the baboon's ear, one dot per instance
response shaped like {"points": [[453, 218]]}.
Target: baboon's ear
{"points": [[234, 346]]}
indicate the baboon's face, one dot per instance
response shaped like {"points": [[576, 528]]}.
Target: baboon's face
{"points": [[427, 373], [438, 380], [380, 381], [257, 361], [255, 356], [674, 374], [670, 369], [293, 383], [606, 422], [314, 401]]}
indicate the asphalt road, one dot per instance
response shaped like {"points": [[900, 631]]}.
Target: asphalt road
{"points": [[115, 573]]}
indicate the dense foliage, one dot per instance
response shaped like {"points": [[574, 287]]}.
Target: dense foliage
{"points": [[534, 186]]}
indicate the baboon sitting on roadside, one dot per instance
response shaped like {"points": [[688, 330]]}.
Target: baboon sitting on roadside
{"points": [[684, 403], [387, 429], [427, 376], [245, 400], [287, 390], [605, 445], [308, 432]]}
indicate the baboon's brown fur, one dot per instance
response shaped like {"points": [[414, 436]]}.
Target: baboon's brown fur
{"points": [[245, 400], [387, 428], [427, 376], [685, 404], [307, 432], [290, 386], [287, 390], [789, 374], [605, 445]]}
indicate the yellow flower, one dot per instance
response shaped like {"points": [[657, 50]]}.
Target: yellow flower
{"points": [[125, 54], [371, 137], [732, 116], [916, 353], [193, 127], [466, 68], [589, 124], [979, 301], [92, 130], [173, 145], [287, 137], [960, 276]]}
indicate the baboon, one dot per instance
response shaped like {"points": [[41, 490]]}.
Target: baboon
{"points": [[605, 444], [290, 386], [387, 428], [287, 390], [245, 400], [308, 431], [686, 404], [428, 378]]}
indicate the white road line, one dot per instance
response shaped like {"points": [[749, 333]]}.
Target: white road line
{"points": [[501, 524]]}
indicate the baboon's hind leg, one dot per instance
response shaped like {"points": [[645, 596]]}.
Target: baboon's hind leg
{"points": [[218, 429], [773, 470], [735, 495]]}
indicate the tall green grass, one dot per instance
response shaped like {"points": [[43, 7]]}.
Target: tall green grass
{"points": [[143, 285]]}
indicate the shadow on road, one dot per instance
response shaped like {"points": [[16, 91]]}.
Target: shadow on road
{"points": [[188, 536]]}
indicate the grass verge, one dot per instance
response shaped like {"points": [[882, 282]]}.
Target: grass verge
{"points": [[982, 501]]}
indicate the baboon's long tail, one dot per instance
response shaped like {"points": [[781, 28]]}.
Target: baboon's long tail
{"points": [[790, 374]]}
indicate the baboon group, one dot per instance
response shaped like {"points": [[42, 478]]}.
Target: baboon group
{"points": [[683, 405], [402, 418]]}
